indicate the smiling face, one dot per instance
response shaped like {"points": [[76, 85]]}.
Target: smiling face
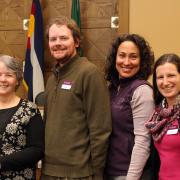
{"points": [[168, 81], [127, 59], [61, 43], [8, 80]]}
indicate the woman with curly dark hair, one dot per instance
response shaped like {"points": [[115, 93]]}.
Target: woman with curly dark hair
{"points": [[129, 65]]}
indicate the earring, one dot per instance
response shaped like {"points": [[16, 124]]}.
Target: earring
{"points": [[164, 103]]}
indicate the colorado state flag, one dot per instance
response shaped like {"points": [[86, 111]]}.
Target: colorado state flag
{"points": [[33, 69]]}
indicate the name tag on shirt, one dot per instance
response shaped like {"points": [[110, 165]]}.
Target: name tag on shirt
{"points": [[66, 85], [172, 130]]}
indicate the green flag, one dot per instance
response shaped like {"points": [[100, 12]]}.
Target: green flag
{"points": [[75, 14]]}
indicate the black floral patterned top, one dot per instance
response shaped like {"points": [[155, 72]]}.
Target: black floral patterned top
{"points": [[21, 141]]}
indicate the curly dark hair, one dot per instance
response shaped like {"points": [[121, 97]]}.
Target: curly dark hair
{"points": [[146, 58], [165, 58]]}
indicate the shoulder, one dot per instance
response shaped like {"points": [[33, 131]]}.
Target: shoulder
{"points": [[143, 92], [138, 82], [87, 65], [142, 100], [87, 70], [28, 105], [144, 89], [138, 86], [26, 111]]}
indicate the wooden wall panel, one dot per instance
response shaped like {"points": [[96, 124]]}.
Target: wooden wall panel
{"points": [[54, 8], [96, 44], [97, 13], [96, 27], [12, 14], [12, 43]]}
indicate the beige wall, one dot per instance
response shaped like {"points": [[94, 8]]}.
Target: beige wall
{"points": [[159, 22]]}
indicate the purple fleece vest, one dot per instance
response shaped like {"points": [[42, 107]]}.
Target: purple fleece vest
{"points": [[122, 137]]}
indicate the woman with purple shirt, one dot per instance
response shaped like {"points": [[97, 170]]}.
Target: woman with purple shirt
{"points": [[129, 65]]}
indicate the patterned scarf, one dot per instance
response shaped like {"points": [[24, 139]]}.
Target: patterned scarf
{"points": [[162, 118]]}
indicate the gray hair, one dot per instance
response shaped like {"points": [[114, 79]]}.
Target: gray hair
{"points": [[15, 65]]}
